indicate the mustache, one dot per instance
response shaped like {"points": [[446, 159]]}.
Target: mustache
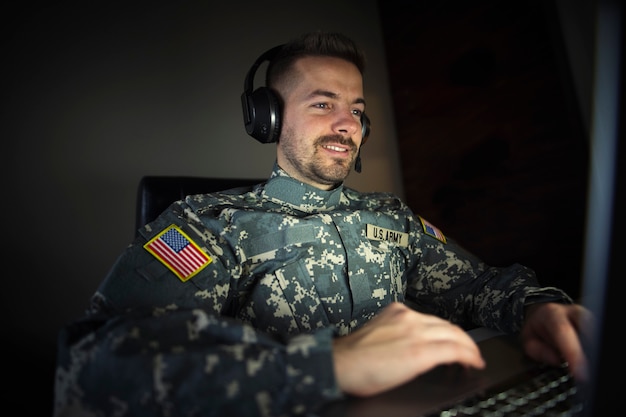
{"points": [[323, 140]]}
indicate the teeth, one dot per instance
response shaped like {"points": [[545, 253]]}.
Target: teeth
{"points": [[335, 148]]}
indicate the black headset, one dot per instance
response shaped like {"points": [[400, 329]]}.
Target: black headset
{"points": [[261, 107]]}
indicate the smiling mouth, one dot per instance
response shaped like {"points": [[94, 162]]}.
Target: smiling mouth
{"points": [[335, 148]]}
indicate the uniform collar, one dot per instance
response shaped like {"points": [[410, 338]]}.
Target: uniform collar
{"points": [[283, 188]]}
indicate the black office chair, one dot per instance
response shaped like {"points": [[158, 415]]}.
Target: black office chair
{"points": [[156, 193]]}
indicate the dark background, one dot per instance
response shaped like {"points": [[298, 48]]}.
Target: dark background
{"points": [[492, 141]]}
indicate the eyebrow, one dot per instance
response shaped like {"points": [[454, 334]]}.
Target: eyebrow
{"points": [[330, 94]]}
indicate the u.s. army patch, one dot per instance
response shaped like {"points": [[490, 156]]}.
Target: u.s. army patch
{"points": [[178, 252], [431, 230], [380, 233]]}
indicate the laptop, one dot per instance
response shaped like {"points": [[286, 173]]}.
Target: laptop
{"points": [[450, 390]]}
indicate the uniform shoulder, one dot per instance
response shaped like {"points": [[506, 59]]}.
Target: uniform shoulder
{"points": [[374, 199], [239, 197]]}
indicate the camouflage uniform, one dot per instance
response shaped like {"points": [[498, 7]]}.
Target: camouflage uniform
{"points": [[245, 325]]}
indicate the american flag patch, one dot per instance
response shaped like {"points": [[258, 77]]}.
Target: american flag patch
{"points": [[177, 252], [431, 230]]}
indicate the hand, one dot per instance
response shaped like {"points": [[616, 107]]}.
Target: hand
{"points": [[551, 334], [396, 346]]}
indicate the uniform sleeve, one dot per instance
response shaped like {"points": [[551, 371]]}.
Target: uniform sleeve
{"points": [[453, 283], [188, 362], [155, 344]]}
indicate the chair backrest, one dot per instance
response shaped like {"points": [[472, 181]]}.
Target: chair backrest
{"points": [[156, 193]]}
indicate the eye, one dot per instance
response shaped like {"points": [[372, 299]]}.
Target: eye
{"points": [[321, 105], [357, 112]]}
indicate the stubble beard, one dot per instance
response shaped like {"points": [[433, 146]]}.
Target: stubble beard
{"points": [[317, 168]]}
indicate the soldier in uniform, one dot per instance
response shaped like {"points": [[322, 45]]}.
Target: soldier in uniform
{"points": [[276, 299]]}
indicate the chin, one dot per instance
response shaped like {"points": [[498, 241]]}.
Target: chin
{"points": [[337, 176]]}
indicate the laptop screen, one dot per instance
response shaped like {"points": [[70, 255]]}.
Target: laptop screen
{"points": [[605, 223]]}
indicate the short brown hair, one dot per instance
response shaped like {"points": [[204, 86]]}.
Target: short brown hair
{"points": [[313, 44]]}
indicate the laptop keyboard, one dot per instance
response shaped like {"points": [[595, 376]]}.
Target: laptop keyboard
{"points": [[550, 391]]}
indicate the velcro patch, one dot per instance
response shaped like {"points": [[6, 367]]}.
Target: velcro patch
{"points": [[387, 235], [178, 252], [431, 230]]}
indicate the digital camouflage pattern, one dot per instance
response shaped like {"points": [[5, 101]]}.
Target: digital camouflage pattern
{"points": [[250, 331]]}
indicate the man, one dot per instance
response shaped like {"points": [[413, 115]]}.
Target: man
{"points": [[280, 298]]}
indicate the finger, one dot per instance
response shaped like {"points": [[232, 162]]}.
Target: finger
{"points": [[465, 354], [448, 343], [570, 347]]}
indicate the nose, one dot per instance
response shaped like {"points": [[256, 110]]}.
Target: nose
{"points": [[346, 123]]}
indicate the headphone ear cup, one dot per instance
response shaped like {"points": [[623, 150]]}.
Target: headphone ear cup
{"points": [[264, 115], [365, 128]]}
